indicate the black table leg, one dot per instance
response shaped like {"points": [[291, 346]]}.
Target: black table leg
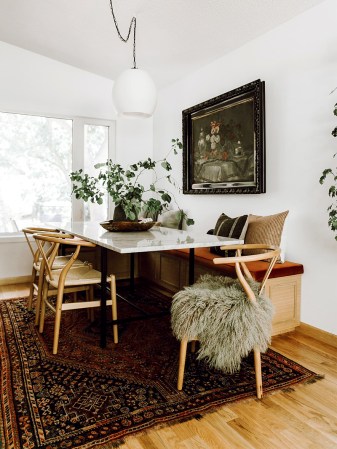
{"points": [[132, 271], [191, 267], [104, 253]]}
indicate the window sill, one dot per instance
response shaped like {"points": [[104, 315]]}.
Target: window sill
{"points": [[12, 237]]}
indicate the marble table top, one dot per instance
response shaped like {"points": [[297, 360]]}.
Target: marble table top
{"points": [[156, 239]]}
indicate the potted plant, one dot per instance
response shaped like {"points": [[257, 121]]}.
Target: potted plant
{"points": [[126, 189], [331, 174]]}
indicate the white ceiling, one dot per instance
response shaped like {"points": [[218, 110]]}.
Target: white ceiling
{"points": [[174, 37]]}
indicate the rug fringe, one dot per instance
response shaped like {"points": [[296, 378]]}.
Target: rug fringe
{"points": [[287, 390], [111, 445], [314, 379]]}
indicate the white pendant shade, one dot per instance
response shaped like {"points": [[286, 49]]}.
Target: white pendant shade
{"points": [[134, 94]]}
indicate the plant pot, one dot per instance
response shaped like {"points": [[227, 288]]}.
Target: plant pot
{"points": [[119, 214]]}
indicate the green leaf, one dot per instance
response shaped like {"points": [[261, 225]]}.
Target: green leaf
{"points": [[165, 164], [166, 197], [189, 221], [332, 191]]}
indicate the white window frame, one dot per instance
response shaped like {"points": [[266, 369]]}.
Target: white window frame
{"points": [[77, 159], [78, 155]]}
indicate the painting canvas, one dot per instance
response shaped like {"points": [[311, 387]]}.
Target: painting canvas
{"points": [[223, 143]]}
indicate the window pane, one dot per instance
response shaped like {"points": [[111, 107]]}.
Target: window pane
{"points": [[96, 149], [35, 162]]}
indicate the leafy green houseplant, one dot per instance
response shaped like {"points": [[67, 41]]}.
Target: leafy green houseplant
{"points": [[126, 188], [331, 175]]}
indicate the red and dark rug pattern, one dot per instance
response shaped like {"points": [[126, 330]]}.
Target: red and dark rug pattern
{"points": [[87, 397]]}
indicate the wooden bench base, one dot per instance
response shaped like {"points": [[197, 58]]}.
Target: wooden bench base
{"points": [[169, 270]]}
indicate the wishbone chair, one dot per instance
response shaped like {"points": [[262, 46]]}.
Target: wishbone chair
{"points": [[36, 260], [265, 252], [36, 281], [70, 279]]}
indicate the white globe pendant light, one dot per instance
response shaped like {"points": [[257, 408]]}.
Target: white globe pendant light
{"points": [[134, 93]]}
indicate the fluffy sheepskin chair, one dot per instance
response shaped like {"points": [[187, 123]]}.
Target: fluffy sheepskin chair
{"points": [[230, 317]]}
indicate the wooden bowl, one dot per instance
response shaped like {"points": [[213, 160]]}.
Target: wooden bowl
{"points": [[127, 226]]}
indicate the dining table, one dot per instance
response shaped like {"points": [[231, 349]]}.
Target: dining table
{"points": [[158, 238]]}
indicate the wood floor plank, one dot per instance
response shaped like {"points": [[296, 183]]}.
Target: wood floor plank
{"points": [[257, 423], [211, 435], [14, 291], [311, 359], [315, 346], [315, 414], [321, 398], [229, 437], [133, 443]]}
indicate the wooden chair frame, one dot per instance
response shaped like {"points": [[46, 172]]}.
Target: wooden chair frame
{"points": [[270, 253], [56, 283], [36, 259], [58, 262]]}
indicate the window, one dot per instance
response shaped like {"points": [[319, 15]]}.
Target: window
{"points": [[36, 156], [96, 141]]}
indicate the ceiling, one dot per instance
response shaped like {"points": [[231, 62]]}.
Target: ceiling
{"points": [[174, 37]]}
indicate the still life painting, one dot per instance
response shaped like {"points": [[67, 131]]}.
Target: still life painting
{"points": [[223, 143]]}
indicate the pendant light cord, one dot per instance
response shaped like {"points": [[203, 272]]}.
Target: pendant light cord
{"points": [[133, 22]]}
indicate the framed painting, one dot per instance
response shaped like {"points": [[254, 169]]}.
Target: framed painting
{"points": [[224, 143]]}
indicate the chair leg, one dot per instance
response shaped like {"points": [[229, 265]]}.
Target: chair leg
{"points": [[57, 324], [193, 346], [114, 307], [44, 295], [39, 299], [258, 372], [182, 360], [90, 297], [31, 289]]}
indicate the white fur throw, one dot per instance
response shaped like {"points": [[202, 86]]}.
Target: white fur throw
{"points": [[228, 325]]}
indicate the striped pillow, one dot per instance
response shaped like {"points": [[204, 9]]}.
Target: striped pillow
{"points": [[229, 227], [265, 229]]}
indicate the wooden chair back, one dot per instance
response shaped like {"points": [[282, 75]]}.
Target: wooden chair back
{"points": [[266, 253], [55, 240], [34, 230]]}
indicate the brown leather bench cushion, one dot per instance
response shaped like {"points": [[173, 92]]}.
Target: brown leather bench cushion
{"points": [[258, 269]]}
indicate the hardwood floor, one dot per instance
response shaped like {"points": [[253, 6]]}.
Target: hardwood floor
{"points": [[304, 418], [13, 291]]}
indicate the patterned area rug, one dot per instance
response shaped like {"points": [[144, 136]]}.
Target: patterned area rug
{"points": [[88, 397]]}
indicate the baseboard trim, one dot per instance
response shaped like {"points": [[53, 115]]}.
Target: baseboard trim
{"points": [[318, 334], [15, 280]]}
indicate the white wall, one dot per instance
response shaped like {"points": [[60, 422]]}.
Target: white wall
{"points": [[30, 83], [35, 84], [298, 63]]}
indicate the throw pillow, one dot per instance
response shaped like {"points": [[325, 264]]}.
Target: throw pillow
{"points": [[265, 229], [229, 227], [171, 219]]}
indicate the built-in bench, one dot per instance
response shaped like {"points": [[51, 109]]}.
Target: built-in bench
{"points": [[169, 270]]}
